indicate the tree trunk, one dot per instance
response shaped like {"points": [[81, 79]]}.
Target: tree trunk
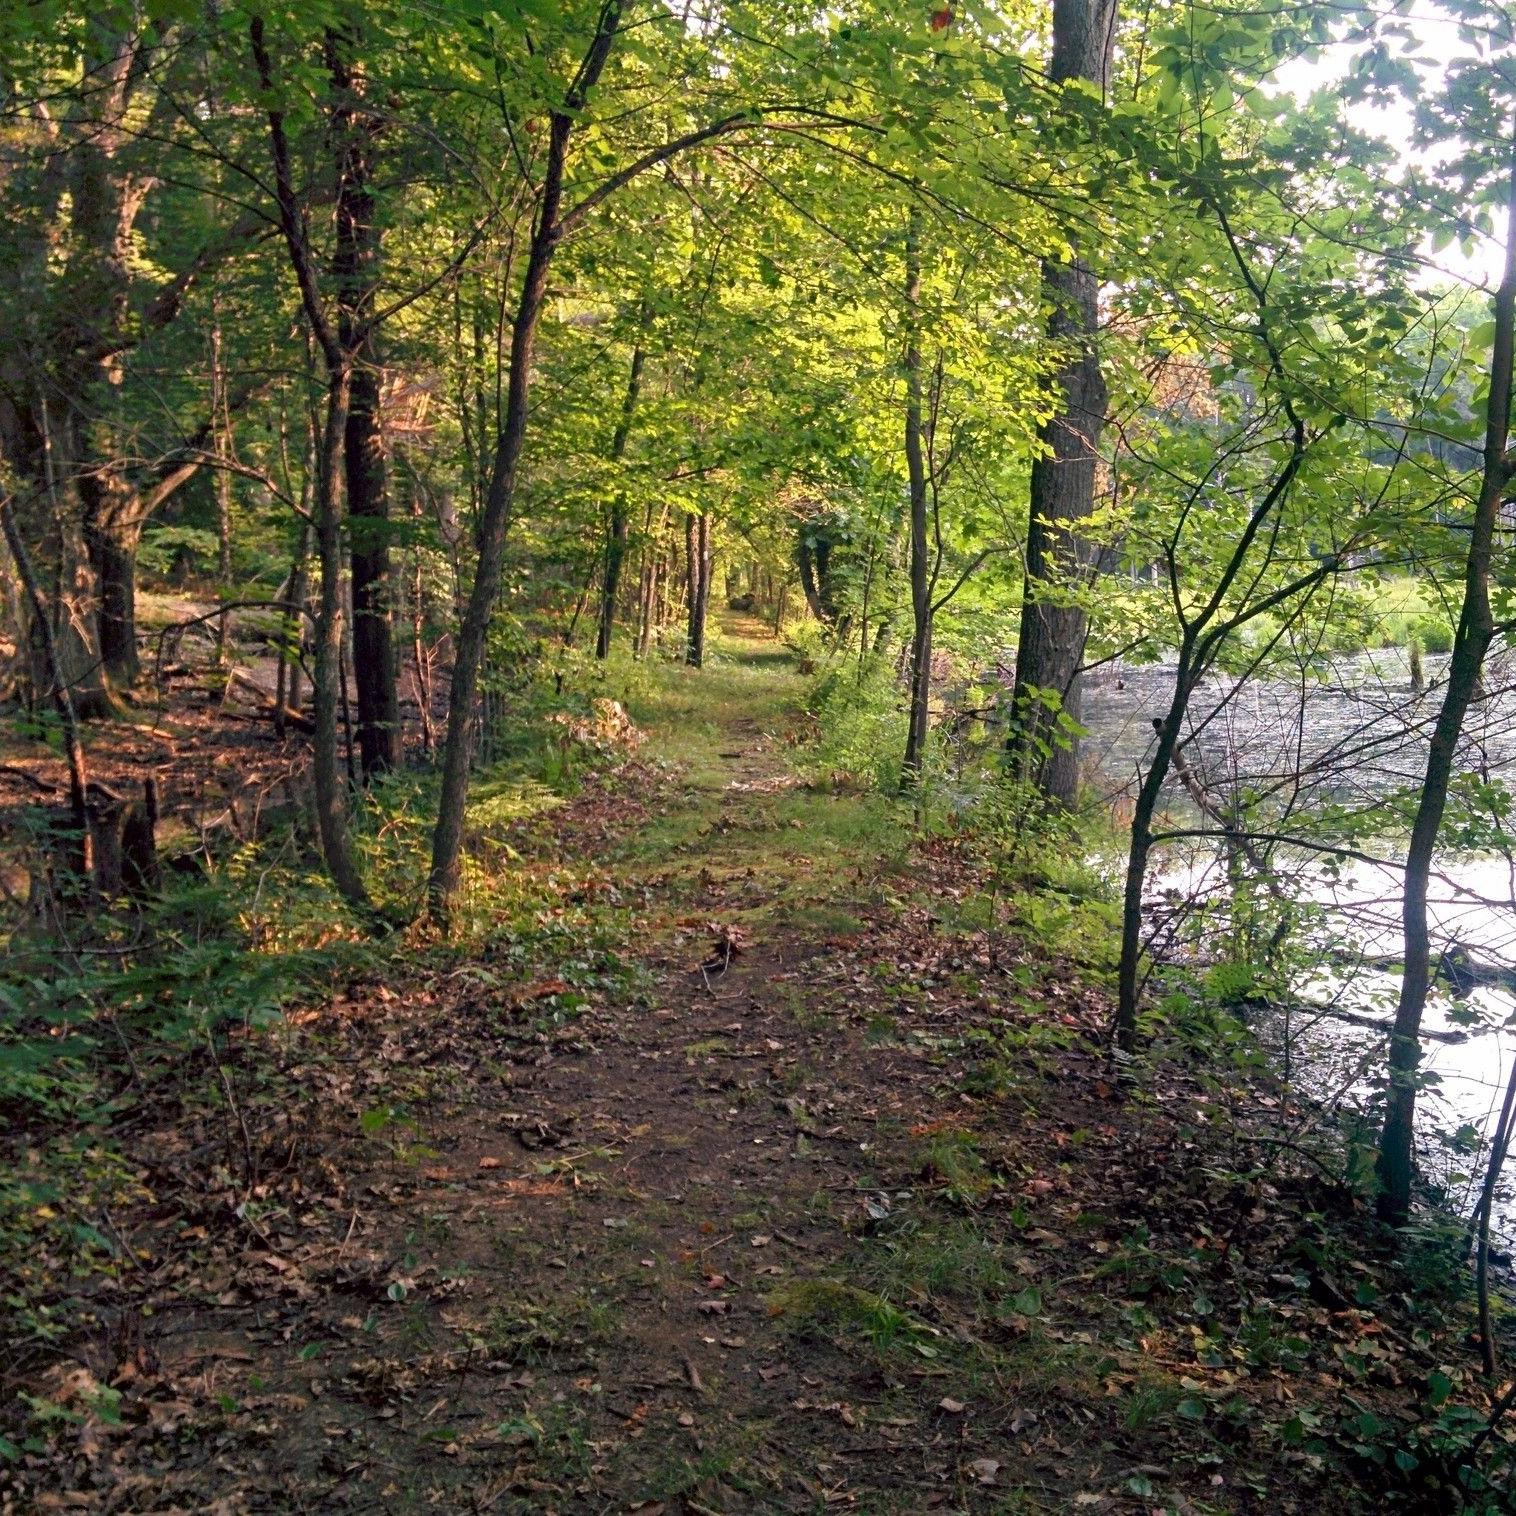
{"points": [[81, 862], [1129, 971], [112, 539], [805, 560], [421, 673], [327, 693], [921, 586], [355, 265], [292, 628], [1476, 631], [615, 544], [1050, 649], [223, 447], [326, 678], [447, 838], [106, 200], [221, 430], [374, 673], [698, 547], [652, 558]]}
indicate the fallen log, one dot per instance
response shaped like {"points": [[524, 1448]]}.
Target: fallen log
{"points": [[13, 771], [266, 702]]}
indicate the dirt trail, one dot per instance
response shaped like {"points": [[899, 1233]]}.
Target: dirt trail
{"points": [[710, 1143], [744, 1172]]}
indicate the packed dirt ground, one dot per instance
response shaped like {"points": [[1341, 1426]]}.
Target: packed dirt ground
{"points": [[751, 1161]]}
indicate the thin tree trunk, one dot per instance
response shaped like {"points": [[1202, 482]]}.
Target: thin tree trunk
{"points": [[1139, 851], [921, 588], [652, 551], [331, 791], [327, 694], [221, 431], [615, 545], [1499, 1146], [58, 688], [447, 838], [1476, 631], [344, 684], [222, 447], [1045, 704], [698, 546]]}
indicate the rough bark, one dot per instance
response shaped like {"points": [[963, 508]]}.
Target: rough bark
{"points": [[1471, 642], [112, 538], [1050, 648]]}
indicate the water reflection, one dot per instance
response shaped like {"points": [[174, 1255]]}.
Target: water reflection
{"points": [[1347, 737]]}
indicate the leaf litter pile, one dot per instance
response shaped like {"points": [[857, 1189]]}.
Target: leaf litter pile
{"points": [[704, 1202]]}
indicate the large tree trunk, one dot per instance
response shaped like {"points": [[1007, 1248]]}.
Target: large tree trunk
{"points": [[615, 543], [112, 544], [921, 577], [1050, 649], [1476, 631], [356, 267]]}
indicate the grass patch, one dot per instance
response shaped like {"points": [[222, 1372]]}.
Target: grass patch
{"points": [[832, 1304]]}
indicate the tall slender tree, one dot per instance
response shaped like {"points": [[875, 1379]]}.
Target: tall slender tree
{"points": [[1475, 633]]}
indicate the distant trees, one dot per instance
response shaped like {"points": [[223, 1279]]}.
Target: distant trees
{"points": [[560, 329]]}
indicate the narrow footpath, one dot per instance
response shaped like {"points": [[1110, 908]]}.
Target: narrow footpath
{"points": [[746, 1172]]}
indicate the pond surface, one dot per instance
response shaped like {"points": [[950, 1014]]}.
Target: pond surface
{"points": [[1350, 734]]}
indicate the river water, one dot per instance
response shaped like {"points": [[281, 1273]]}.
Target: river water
{"points": [[1349, 734]]}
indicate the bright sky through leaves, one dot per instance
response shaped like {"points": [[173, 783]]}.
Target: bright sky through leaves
{"points": [[1395, 123]]}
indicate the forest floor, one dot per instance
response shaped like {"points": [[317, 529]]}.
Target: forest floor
{"points": [[748, 1170]]}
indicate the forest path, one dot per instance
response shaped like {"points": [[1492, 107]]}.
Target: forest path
{"points": [[694, 1171], [710, 1244], [732, 1166]]}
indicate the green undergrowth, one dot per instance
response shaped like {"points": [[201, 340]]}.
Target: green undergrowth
{"points": [[1012, 1278]]}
